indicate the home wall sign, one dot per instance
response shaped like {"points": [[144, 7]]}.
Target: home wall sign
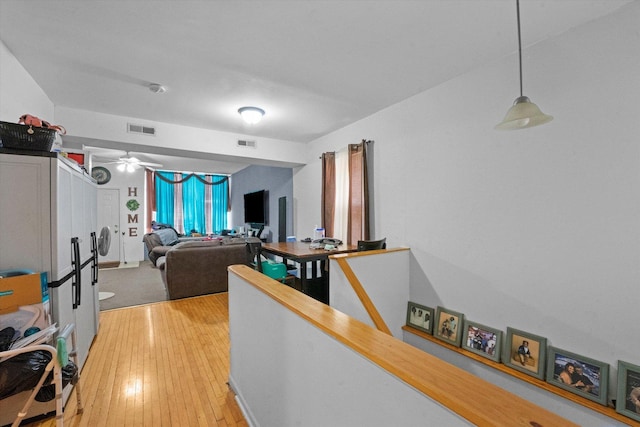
{"points": [[133, 205]]}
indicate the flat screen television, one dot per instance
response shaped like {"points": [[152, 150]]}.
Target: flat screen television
{"points": [[255, 207]]}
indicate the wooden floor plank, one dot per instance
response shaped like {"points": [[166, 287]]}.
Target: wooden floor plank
{"points": [[160, 364]]}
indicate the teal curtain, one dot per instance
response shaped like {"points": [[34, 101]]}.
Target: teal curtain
{"points": [[194, 212], [193, 205], [219, 203], [164, 198]]}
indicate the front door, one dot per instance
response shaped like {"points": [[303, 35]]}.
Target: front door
{"points": [[109, 216]]}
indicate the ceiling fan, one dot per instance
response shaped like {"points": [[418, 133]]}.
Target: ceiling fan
{"points": [[127, 163]]}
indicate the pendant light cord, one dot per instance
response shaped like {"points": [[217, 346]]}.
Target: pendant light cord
{"points": [[519, 44]]}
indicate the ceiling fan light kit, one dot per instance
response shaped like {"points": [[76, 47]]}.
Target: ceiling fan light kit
{"points": [[129, 167], [524, 113]]}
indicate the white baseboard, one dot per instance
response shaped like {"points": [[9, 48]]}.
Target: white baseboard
{"points": [[246, 412]]}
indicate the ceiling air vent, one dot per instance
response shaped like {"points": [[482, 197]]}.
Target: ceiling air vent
{"points": [[243, 143], [145, 130]]}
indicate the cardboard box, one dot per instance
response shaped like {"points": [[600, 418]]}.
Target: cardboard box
{"points": [[24, 301], [25, 289]]}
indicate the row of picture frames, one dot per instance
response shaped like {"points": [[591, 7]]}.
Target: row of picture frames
{"points": [[529, 353]]}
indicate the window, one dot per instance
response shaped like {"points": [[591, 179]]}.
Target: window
{"points": [[345, 194], [191, 203]]}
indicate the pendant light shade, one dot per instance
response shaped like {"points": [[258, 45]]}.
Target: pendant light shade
{"points": [[524, 113]]}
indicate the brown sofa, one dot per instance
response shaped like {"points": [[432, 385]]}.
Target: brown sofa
{"points": [[200, 267]]}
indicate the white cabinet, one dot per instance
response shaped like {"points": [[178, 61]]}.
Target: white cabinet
{"points": [[48, 208]]}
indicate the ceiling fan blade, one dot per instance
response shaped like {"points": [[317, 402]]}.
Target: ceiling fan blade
{"points": [[130, 159], [126, 160], [105, 160], [158, 165]]}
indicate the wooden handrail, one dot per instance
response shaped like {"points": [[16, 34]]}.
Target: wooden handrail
{"points": [[367, 253], [450, 386], [355, 283], [363, 296]]}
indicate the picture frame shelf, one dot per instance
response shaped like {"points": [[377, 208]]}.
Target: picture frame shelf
{"points": [[608, 410]]}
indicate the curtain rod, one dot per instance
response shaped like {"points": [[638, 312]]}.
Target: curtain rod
{"points": [[369, 141], [188, 173]]}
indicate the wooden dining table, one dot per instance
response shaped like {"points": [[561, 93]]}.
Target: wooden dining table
{"points": [[314, 281]]}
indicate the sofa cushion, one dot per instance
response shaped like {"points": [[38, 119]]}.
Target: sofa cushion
{"points": [[151, 240], [197, 244], [158, 242], [238, 240], [168, 236], [159, 251]]}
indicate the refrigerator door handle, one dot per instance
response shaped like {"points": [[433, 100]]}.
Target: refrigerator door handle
{"points": [[76, 283]]}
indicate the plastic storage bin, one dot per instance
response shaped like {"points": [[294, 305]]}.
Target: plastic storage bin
{"points": [[275, 270]]}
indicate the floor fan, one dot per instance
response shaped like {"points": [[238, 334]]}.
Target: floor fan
{"points": [[104, 242]]}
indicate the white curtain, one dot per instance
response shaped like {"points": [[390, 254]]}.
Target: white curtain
{"points": [[342, 196], [208, 203], [178, 217]]}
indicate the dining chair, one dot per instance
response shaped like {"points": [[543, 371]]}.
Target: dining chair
{"points": [[370, 245]]}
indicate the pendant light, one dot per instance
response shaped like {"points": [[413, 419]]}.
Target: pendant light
{"points": [[523, 113]]}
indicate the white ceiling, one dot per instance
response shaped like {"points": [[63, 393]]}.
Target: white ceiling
{"points": [[314, 66]]}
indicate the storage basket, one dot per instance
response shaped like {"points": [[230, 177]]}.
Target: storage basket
{"points": [[14, 135]]}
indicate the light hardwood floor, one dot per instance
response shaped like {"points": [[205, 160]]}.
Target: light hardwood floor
{"points": [[161, 364]]}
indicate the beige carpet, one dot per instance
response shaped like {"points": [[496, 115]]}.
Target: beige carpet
{"points": [[131, 286]]}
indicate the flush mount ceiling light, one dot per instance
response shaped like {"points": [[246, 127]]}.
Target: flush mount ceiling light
{"points": [[251, 115], [156, 88], [524, 113]]}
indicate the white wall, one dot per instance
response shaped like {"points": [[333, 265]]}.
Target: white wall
{"points": [[537, 229], [19, 93]]}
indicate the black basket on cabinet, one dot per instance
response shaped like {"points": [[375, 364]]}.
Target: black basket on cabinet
{"points": [[14, 135]]}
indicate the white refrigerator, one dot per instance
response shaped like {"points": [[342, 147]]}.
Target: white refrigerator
{"points": [[48, 217]]}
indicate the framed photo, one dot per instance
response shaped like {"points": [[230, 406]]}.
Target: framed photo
{"points": [[578, 374], [628, 400], [448, 326], [420, 317], [525, 352], [482, 340]]}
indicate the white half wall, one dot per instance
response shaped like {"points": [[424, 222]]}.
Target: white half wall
{"points": [[288, 372]]}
